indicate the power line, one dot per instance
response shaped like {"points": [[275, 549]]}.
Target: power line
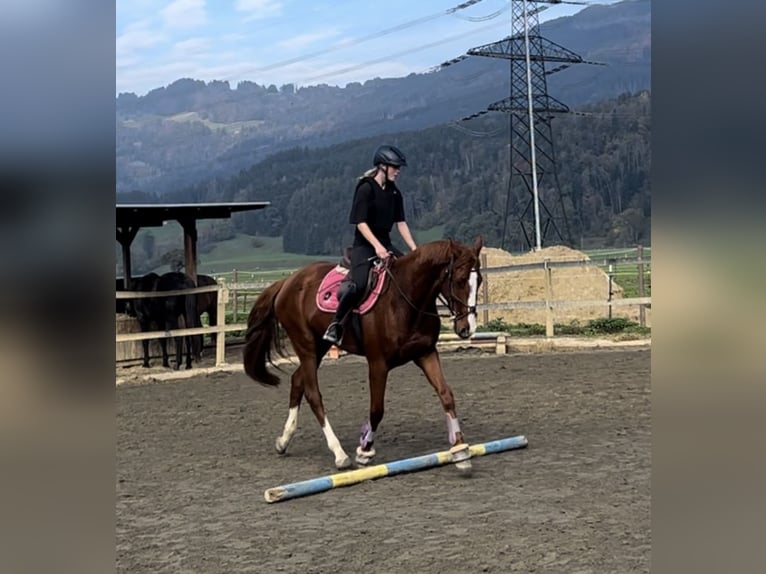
{"points": [[420, 48], [475, 133], [484, 18], [366, 38]]}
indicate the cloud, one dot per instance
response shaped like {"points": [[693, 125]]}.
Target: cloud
{"points": [[303, 40], [235, 37], [185, 14], [259, 9], [192, 47], [137, 37]]}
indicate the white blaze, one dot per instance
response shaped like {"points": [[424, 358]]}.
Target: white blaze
{"points": [[473, 280]]}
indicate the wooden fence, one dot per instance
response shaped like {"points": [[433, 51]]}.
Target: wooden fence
{"points": [[236, 296]]}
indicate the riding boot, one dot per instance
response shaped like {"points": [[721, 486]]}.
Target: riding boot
{"points": [[334, 333]]}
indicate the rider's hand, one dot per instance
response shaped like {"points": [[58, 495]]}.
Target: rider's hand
{"points": [[382, 253]]}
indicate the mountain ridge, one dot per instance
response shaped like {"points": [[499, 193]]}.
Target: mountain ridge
{"points": [[189, 131]]}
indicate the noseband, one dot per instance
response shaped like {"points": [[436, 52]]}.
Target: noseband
{"points": [[470, 308]]}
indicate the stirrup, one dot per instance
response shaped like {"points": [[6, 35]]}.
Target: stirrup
{"points": [[338, 331]]}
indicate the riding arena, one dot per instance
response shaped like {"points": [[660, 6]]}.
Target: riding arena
{"points": [[557, 437]]}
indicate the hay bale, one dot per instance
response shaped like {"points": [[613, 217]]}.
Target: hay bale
{"points": [[133, 350]]}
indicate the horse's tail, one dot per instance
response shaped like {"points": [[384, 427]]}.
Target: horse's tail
{"points": [[262, 336]]}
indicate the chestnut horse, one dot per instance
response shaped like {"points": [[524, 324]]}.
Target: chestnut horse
{"points": [[403, 326]]}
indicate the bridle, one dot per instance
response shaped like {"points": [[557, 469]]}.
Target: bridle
{"points": [[449, 301]]}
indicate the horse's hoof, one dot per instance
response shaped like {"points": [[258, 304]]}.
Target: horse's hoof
{"points": [[281, 446], [363, 460], [364, 457], [464, 468], [342, 463], [461, 456]]}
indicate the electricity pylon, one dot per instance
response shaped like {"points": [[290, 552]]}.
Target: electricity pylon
{"points": [[538, 202]]}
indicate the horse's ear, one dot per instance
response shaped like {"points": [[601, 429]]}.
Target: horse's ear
{"points": [[478, 244]]}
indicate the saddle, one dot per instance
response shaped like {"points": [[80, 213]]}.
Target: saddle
{"points": [[332, 283]]}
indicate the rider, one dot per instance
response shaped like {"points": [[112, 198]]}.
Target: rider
{"points": [[376, 207]]}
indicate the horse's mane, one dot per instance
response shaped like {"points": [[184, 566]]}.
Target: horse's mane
{"points": [[439, 252]]}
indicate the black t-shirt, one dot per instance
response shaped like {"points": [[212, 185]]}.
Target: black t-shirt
{"points": [[377, 207]]}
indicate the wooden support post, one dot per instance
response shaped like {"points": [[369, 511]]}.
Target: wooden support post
{"points": [[190, 247], [548, 299], [126, 235], [641, 287], [500, 345], [485, 288], [220, 340]]}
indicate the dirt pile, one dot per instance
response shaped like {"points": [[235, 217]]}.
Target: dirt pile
{"points": [[578, 283]]}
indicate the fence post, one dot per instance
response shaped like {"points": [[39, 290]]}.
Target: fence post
{"points": [[641, 287], [548, 298], [610, 292], [234, 298], [220, 340], [485, 288]]}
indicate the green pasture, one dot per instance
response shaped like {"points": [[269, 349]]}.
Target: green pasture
{"points": [[258, 256], [228, 127], [616, 253], [426, 235], [625, 274]]}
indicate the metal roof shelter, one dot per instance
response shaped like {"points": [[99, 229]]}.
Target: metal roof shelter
{"points": [[133, 216]]}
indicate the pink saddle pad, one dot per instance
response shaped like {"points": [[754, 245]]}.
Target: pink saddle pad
{"points": [[327, 295]]}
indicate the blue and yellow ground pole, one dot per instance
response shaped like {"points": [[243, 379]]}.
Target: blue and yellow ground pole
{"points": [[414, 464]]}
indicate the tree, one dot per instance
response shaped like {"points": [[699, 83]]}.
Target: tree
{"points": [[174, 258]]}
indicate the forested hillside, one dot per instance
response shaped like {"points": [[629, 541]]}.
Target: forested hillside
{"points": [[455, 179]]}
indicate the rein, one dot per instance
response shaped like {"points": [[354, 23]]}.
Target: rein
{"points": [[407, 299], [447, 301]]}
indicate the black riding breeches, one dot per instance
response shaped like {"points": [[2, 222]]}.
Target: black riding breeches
{"points": [[361, 264]]}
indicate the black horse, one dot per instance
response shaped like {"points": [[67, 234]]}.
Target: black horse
{"points": [[165, 311]]}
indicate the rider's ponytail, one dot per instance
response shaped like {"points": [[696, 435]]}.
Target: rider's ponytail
{"points": [[369, 173]]}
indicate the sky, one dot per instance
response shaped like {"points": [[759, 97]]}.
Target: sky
{"points": [[300, 42]]}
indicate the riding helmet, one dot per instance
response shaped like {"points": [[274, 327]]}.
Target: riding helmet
{"points": [[389, 155]]}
